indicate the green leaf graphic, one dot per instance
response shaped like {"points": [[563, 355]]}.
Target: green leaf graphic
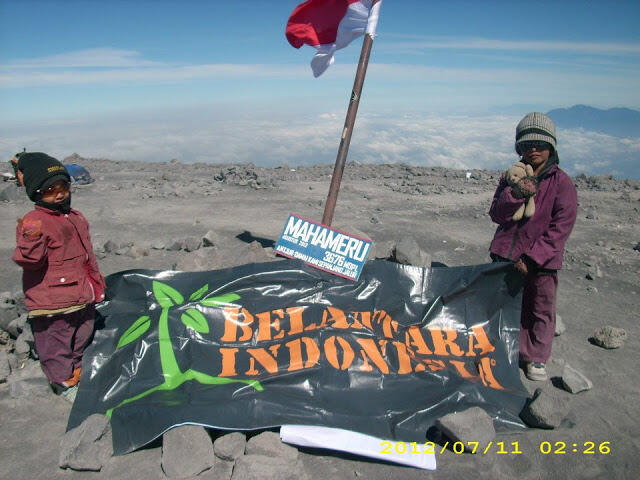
{"points": [[221, 300], [136, 329], [166, 296], [194, 319], [197, 295]]}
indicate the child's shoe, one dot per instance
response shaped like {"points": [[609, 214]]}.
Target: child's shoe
{"points": [[536, 371], [72, 382], [74, 379]]}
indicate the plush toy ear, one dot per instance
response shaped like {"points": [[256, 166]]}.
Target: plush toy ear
{"points": [[529, 169], [519, 213], [530, 208], [522, 165]]}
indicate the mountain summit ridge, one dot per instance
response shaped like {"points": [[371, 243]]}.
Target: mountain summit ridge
{"points": [[618, 122]]}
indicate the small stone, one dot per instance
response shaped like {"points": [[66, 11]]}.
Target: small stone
{"points": [[17, 325], [230, 446], [374, 220], [545, 410], [384, 250], [138, 251], [637, 247], [110, 246], [191, 244], [5, 368], [13, 361], [609, 337], [408, 252], [21, 348], [186, 451], [158, 245], [88, 446], [175, 246], [471, 425], [573, 381], [269, 443], [560, 327], [210, 239]]}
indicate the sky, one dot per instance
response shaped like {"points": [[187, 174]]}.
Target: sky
{"points": [[216, 81]]}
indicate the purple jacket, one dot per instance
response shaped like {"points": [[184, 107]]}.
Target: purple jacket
{"points": [[543, 236]]}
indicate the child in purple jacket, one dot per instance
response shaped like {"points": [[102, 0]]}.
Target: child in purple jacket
{"points": [[535, 244]]}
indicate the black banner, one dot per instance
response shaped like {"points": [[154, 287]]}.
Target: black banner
{"points": [[263, 345]]}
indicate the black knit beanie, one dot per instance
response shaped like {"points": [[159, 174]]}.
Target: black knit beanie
{"points": [[39, 169]]}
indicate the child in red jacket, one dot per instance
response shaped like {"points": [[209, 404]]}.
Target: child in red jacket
{"points": [[61, 278]]}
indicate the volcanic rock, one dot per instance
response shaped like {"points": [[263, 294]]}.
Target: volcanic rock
{"points": [[609, 337], [88, 446]]}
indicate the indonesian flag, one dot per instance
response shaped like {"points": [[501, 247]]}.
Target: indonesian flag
{"points": [[329, 25]]}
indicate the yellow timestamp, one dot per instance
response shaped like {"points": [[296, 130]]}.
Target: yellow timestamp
{"points": [[584, 448], [498, 448]]}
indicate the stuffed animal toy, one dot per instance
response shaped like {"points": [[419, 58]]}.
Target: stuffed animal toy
{"points": [[524, 185]]}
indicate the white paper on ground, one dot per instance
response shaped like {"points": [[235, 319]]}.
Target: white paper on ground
{"points": [[358, 444]]}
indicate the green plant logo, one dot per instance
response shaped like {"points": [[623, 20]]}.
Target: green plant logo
{"points": [[168, 297]]}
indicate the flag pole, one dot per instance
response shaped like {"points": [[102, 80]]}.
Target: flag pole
{"points": [[338, 169]]}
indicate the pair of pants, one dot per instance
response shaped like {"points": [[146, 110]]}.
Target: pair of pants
{"points": [[61, 340], [538, 317]]}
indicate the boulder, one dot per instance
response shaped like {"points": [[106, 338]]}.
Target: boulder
{"points": [[230, 446], [384, 250], [88, 446], [186, 451], [269, 443], [13, 193], [471, 425], [545, 410], [408, 252]]}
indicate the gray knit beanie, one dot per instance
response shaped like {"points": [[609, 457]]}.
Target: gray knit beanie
{"points": [[535, 126]]}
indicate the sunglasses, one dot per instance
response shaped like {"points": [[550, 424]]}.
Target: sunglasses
{"points": [[537, 144], [58, 187]]}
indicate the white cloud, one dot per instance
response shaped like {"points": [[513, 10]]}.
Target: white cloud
{"points": [[419, 42], [449, 141], [93, 57]]}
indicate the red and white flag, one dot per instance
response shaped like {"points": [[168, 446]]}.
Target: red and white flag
{"points": [[329, 25]]}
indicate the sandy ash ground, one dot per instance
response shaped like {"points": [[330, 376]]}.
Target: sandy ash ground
{"points": [[143, 211]]}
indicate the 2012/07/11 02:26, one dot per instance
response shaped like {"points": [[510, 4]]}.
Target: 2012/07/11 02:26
{"points": [[499, 448], [585, 448]]}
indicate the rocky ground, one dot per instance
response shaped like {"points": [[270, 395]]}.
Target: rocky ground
{"points": [[204, 216]]}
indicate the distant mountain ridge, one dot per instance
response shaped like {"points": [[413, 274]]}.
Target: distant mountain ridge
{"points": [[619, 122]]}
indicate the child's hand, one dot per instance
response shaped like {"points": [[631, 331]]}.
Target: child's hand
{"points": [[31, 229]]}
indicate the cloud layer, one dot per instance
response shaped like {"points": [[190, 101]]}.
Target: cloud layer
{"points": [[215, 136]]}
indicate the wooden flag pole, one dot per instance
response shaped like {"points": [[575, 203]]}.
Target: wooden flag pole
{"points": [[350, 120]]}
